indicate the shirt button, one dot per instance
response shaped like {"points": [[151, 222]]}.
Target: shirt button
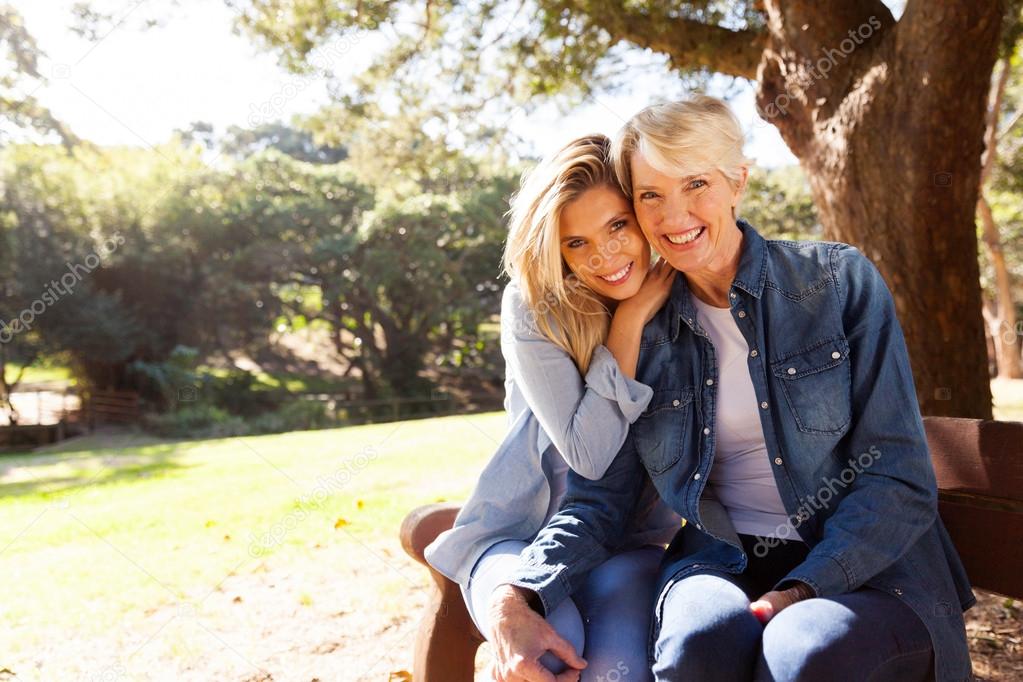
{"points": [[710, 382], [836, 355], [753, 353], [791, 370], [706, 431], [742, 313], [697, 476], [676, 403], [764, 404], [897, 591], [699, 527], [732, 294], [777, 460]]}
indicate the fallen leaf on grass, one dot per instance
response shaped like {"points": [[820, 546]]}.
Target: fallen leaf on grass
{"points": [[340, 523]]}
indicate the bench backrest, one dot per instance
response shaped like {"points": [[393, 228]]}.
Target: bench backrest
{"points": [[979, 466]]}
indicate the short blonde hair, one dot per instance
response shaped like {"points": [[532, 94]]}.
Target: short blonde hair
{"points": [[690, 137], [567, 312]]}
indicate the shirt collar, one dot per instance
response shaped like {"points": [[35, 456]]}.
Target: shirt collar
{"points": [[750, 277], [752, 271]]}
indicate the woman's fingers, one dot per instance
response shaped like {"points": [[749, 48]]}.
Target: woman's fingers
{"points": [[530, 670], [763, 610], [560, 647]]}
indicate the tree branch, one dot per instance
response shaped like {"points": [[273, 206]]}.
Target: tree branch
{"points": [[991, 133], [687, 42]]}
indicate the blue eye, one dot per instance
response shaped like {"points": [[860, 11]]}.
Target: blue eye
{"points": [[618, 225], [576, 243], [694, 185], [648, 195]]}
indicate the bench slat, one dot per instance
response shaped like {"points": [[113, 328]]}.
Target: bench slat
{"points": [[979, 457]]}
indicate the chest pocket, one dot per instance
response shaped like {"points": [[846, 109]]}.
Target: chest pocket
{"points": [[660, 432], [817, 383]]}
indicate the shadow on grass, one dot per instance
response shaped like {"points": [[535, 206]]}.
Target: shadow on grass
{"points": [[51, 474]]}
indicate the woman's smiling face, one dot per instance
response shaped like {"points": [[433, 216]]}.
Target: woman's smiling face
{"points": [[602, 244], [688, 220]]}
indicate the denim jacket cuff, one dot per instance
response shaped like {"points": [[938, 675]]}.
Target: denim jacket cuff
{"points": [[545, 581], [606, 379], [823, 573]]}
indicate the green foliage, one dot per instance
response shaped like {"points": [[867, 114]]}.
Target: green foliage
{"points": [[162, 382], [20, 57], [204, 420], [778, 203], [1006, 184], [240, 393], [218, 258], [196, 421]]}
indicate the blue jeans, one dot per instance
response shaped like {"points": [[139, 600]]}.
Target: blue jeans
{"points": [[607, 619], [707, 631]]}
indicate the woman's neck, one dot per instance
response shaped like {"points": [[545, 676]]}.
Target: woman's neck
{"points": [[712, 283]]}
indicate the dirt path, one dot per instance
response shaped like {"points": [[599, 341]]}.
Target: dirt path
{"points": [[341, 613]]}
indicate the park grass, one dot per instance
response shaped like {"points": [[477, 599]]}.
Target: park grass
{"points": [[290, 381], [90, 536], [37, 374]]}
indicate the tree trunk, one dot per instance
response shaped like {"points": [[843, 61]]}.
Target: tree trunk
{"points": [[888, 120], [1003, 327], [1003, 332]]}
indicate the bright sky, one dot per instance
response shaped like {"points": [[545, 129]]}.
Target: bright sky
{"points": [[135, 87]]}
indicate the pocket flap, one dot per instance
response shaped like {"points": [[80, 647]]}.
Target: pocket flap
{"points": [[817, 358], [669, 399]]}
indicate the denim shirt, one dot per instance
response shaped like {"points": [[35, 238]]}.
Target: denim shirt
{"points": [[554, 411], [842, 427]]}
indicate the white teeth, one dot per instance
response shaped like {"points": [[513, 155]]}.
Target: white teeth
{"points": [[685, 238], [614, 277]]}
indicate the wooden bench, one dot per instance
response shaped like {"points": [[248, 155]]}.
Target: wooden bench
{"points": [[979, 466]]}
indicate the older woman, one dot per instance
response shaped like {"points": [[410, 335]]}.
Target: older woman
{"points": [[784, 429]]}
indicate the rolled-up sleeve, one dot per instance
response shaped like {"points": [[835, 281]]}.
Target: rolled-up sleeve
{"points": [[605, 378], [588, 528], [587, 418]]}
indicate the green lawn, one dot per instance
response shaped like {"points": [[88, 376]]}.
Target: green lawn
{"points": [[88, 536], [36, 375]]}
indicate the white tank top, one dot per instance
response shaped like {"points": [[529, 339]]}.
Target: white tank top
{"points": [[741, 474]]}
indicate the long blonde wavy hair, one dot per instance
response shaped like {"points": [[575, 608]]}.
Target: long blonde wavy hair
{"points": [[566, 311]]}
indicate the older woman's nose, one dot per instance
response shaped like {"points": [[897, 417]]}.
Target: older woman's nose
{"points": [[674, 213]]}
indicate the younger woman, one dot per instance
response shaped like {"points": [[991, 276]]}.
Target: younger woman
{"points": [[581, 290]]}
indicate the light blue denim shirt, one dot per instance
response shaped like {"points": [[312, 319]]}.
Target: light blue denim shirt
{"points": [[843, 432], [553, 411]]}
